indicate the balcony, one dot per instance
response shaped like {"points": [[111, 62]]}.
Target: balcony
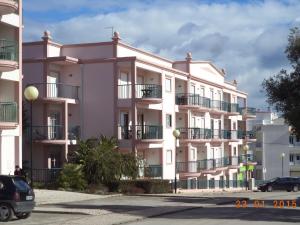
{"points": [[213, 164], [151, 93], [8, 113], [41, 133], [195, 100], [204, 133], [248, 112], [57, 91], [8, 55], [143, 132], [152, 171], [192, 100], [8, 6], [249, 135]]}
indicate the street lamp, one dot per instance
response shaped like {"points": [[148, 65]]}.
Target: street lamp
{"points": [[245, 149], [282, 157], [31, 93], [176, 134]]}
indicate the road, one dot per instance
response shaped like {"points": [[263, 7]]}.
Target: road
{"points": [[191, 209]]}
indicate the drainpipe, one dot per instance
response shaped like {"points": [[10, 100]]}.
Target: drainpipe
{"points": [[81, 102]]}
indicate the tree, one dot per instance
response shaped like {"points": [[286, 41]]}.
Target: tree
{"points": [[283, 89], [102, 162]]}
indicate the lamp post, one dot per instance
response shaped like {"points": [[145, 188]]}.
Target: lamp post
{"points": [[282, 157], [245, 149], [31, 93], [176, 134]]}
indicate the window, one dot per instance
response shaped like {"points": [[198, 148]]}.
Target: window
{"points": [[291, 158], [168, 84], [291, 139], [168, 120], [169, 157], [298, 157], [234, 151]]}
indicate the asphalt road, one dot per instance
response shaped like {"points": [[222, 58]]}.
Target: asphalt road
{"points": [[198, 208]]}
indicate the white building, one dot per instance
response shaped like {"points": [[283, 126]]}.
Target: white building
{"points": [[10, 85], [277, 151]]}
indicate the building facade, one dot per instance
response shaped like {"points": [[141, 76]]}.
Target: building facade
{"points": [[10, 85], [114, 89], [277, 150]]}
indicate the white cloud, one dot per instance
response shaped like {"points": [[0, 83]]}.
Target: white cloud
{"points": [[248, 40]]}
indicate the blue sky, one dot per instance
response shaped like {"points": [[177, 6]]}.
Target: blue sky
{"points": [[247, 38]]}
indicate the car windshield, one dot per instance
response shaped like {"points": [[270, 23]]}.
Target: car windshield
{"points": [[272, 180], [21, 185]]}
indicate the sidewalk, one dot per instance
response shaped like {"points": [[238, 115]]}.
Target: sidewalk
{"points": [[49, 197], [43, 197]]}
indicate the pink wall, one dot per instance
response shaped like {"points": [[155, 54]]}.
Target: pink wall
{"points": [[88, 52], [98, 102]]}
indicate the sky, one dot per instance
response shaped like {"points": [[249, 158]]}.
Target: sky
{"points": [[245, 37]]}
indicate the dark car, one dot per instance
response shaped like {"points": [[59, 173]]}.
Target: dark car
{"points": [[280, 183], [16, 197]]}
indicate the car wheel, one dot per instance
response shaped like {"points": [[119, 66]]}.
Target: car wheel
{"points": [[5, 212], [295, 188], [270, 189], [23, 215]]}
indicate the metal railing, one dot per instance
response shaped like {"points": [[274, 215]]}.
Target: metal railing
{"points": [[247, 111], [44, 175], [149, 132], [153, 171], [142, 132], [141, 91], [148, 91], [195, 133], [74, 132], [57, 90], [212, 164], [192, 99], [196, 99], [8, 50], [54, 132], [204, 133], [210, 184], [246, 134], [8, 112]]}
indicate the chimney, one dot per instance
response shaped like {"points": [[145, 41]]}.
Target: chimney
{"points": [[47, 36], [188, 56], [116, 36]]}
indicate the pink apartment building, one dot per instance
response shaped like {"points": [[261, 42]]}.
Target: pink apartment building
{"points": [[114, 89], [10, 85]]}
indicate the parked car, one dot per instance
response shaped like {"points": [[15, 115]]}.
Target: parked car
{"points": [[280, 183], [16, 197]]}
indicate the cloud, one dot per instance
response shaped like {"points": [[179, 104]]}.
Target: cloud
{"points": [[247, 39]]}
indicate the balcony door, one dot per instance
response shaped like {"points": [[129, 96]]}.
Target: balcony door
{"points": [[54, 126], [124, 87], [52, 84], [124, 121]]}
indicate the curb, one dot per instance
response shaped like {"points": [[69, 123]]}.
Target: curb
{"points": [[61, 212], [79, 200]]}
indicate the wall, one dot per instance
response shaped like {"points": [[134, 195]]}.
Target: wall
{"points": [[275, 142], [126, 52], [85, 51], [33, 51], [98, 100]]}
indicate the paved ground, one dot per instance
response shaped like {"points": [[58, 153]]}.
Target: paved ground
{"points": [[196, 208]]}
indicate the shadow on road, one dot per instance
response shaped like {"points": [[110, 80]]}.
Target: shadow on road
{"points": [[217, 208]]}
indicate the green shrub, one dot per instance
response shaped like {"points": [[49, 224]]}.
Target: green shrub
{"points": [[72, 177], [140, 186]]}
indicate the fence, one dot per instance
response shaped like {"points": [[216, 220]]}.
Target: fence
{"points": [[44, 176], [209, 184]]}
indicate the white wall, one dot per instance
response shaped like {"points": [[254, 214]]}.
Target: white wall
{"points": [[275, 142]]}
